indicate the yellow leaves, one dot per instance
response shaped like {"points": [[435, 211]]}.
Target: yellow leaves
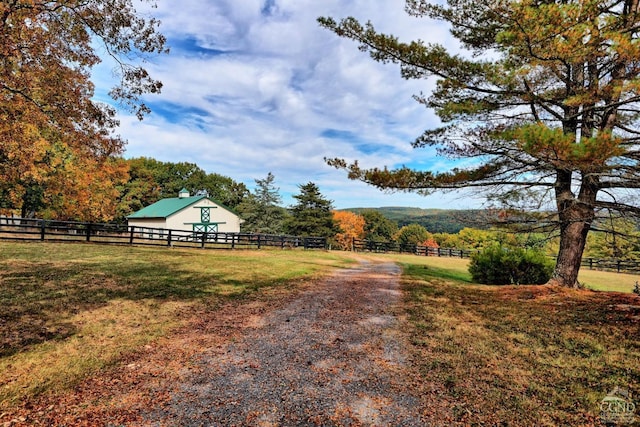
{"points": [[76, 180], [55, 141], [568, 33], [94, 193], [351, 226]]}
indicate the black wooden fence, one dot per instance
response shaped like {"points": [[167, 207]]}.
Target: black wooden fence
{"points": [[13, 228], [29, 229], [383, 247], [608, 264], [612, 264]]}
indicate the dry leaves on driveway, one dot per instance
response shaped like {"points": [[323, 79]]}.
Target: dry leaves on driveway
{"points": [[330, 357], [329, 353]]}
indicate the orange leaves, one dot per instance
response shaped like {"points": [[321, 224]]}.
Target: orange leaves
{"points": [[431, 243], [55, 141], [352, 226], [93, 194]]}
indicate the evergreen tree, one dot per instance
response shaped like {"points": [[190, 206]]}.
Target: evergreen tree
{"points": [[312, 215], [549, 120], [261, 211]]}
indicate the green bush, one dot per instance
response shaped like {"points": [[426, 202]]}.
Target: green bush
{"points": [[497, 265]]}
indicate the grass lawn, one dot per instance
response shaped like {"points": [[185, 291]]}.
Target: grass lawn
{"points": [[485, 355], [591, 279], [72, 309], [527, 355]]}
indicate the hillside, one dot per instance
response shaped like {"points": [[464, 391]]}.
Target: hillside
{"points": [[434, 220]]}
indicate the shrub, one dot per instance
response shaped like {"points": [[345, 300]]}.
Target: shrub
{"points": [[496, 265]]}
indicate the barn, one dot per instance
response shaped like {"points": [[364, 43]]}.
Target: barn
{"points": [[187, 213]]}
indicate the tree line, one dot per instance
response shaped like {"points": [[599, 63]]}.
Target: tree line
{"points": [[371, 225], [139, 182]]}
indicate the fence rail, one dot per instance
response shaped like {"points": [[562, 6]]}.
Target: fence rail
{"points": [[612, 264], [384, 247], [609, 264], [33, 229], [30, 229]]}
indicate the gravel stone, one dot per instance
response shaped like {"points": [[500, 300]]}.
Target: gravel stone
{"points": [[332, 356]]}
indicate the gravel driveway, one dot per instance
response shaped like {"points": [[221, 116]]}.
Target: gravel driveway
{"points": [[332, 356]]}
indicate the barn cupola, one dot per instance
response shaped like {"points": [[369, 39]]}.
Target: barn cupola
{"points": [[183, 193]]}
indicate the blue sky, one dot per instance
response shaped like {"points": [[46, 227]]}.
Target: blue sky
{"points": [[256, 86]]}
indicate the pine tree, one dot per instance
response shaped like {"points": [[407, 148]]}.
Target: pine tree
{"points": [[548, 120], [311, 215], [261, 211]]}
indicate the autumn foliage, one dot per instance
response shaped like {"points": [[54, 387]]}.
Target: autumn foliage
{"points": [[351, 226], [58, 149]]}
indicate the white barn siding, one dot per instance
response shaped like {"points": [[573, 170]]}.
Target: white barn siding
{"points": [[147, 222], [227, 221]]}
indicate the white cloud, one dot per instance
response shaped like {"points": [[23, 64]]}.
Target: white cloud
{"points": [[253, 86]]}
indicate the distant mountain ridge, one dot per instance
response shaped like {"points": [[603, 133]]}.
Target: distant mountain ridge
{"points": [[435, 220]]}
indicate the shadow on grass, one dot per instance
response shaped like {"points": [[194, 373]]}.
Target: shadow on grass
{"points": [[519, 354], [37, 298]]}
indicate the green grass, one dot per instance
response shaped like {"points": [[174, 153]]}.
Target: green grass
{"points": [[527, 355], [71, 309], [608, 281], [456, 268]]}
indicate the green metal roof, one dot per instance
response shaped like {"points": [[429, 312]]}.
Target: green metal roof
{"points": [[166, 207]]}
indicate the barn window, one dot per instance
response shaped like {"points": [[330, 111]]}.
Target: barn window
{"points": [[205, 215], [205, 228]]}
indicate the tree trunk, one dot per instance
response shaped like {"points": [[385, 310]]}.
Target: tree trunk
{"points": [[573, 237], [575, 216]]}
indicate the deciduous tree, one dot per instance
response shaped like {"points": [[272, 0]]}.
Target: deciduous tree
{"points": [[378, 227], [48, 115], [412, 234], [545, 106], [351, 227]]}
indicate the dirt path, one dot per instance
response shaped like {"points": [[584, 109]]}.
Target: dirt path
{"points": [[328, 354], [329, 357]]}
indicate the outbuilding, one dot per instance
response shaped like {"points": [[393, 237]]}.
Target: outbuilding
{"points": [[187, 213]]}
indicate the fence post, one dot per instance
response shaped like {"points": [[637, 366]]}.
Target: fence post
{"points": [[439, 252], [259, 241], [618, 265], [42, 229], [204, 237], [169, 238], [590, 263], [131, 228], [88, 231]]}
